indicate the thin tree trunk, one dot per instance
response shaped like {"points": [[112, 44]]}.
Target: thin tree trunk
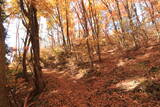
{"points": [[24, 65], [139, 22], [121, 23], [67, 25], [151, 13], [94, 23], [61, 24], [86, 33], [126, 5], [113, 21]]}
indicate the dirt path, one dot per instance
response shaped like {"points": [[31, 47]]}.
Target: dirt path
{"points": [[63, 91], [100, 90]]}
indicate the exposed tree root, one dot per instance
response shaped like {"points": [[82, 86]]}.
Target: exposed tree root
{"points": [[29, 98]]}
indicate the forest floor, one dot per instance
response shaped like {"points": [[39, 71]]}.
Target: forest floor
{"points": [[124, 79]]}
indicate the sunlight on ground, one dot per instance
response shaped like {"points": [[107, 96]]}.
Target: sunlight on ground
{"points": [[63, 74], [112, 51], [54, 91], [80, 74], [121, 63], [47, 71], [147, 55], [130, 84]]}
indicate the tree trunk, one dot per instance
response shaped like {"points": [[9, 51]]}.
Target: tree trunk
{"points": [[4, 101], [61, 24], [34, 35], [139, 22], [94, 24], [24, 65], [121, 23], [33, 31], [86, 33], [129, 14], [67, 25]]}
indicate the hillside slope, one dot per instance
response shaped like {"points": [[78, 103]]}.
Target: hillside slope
{"points": [[124, 79]]}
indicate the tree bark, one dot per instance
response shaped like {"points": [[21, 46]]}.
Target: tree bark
{"points": [[95, 27], [60, 23], [129, 14], [4, 101], [33, 31], [34, 35], [86, 33], [67, 25], [25, 50], [121, 23]]}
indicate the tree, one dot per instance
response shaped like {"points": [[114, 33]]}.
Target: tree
{"points": [[30, 13], [4, 101], [94, 23]]}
